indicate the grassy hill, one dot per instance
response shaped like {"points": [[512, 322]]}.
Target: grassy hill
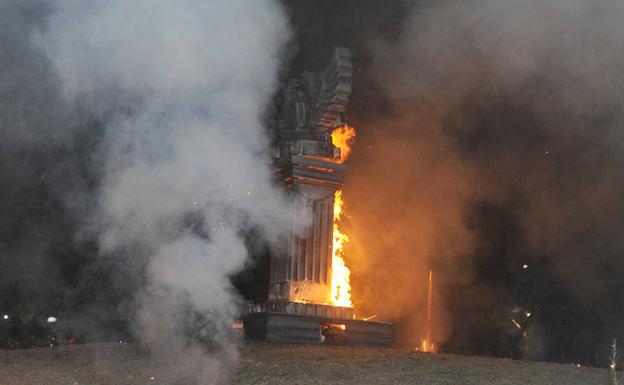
{"points": [[263, 363]]}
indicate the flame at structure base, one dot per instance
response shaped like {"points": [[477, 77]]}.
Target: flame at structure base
{"points": [[340, 278], [427, 344]]}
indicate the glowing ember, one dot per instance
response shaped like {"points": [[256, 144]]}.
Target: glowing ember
{"points": [[340, 285], [339, 326], [342, 137], [427, 344]]}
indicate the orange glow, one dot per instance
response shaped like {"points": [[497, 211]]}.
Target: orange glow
{"points": [[340, 278], [427, 344], [340, 326], [342, 137]]}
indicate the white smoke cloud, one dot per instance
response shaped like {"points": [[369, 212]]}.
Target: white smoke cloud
{"points": [[186, 166]]}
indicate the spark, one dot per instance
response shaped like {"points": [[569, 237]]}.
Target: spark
{"points": [[6, 316], [516, 323], [51, 320], [525, 266], [369, 318]]}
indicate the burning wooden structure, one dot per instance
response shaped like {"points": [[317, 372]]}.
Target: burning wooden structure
{"points": [[309, 299]]}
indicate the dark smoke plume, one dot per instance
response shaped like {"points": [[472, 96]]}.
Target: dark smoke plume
{"points": [[501, 146], [44, 176]]}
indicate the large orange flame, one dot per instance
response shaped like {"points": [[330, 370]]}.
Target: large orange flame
{"points": [[342, 137], [340, 282]]}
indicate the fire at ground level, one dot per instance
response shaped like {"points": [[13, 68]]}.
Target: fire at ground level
{"points": [[264, 363]]}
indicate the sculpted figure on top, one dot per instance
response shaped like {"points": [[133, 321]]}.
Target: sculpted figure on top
{"points": [[312, 106]]}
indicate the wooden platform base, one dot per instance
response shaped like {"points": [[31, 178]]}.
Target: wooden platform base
{"points": [[297, 329]]}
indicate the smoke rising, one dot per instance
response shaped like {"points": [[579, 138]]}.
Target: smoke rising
{"points": [[182, 89], [489, 138], [501, 147]]}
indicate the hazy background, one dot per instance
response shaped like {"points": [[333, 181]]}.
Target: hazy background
{"points": [[489, 138]]}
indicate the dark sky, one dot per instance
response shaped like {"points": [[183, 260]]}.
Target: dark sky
{"points": [[322, 25]]}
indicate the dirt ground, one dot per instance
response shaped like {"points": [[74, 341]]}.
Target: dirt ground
{"points": [[263, 363]]}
